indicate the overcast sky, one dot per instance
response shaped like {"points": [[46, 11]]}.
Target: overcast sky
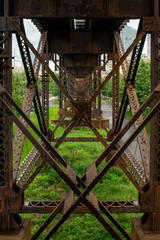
{"points": [[34, 35]]}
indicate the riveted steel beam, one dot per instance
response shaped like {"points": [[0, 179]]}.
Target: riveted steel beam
{"points": [[112, 206], [49, 8], [10, 202]]}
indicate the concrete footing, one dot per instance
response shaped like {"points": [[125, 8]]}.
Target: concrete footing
{"points": [[139, 234], [23, 234]]}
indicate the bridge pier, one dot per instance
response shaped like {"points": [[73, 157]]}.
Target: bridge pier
{"points": [[138, 233], [23, 234]]}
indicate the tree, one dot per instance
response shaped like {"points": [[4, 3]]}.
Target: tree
{"points": [[107, 90], [142, 82], [53, 87], [19, 85]]}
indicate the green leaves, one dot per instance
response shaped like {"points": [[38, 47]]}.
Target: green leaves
{"points": [[19, 84], [53, 87], [142, 83], [107, 90]]}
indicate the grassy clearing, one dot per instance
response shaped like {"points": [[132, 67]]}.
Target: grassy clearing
{"points": [[49, 186], [56, 101]]}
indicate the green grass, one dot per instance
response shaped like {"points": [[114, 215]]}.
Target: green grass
{"points": [[56, 101], [49, 186]]}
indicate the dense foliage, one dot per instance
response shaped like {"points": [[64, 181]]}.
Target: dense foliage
{"points": [[107, 90], [19, 85], [142, 83], [53, 87]]}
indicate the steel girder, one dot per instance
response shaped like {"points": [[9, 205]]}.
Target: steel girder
{"points": [[8, 221], [90, 205], [72, 9], [153, 191], [49, 154]]}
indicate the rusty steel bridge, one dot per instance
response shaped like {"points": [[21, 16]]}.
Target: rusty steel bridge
{"points": [[80, 37]]}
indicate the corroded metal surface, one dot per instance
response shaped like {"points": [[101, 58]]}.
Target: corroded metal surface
{"points": [[129, 76], [75, 46], [112, 206], [26, 107], [68, 179]]}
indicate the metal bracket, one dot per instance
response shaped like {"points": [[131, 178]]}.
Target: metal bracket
{"points": [[2, 23], [10, 201], [146, 200], [77, 109], [2, 89], [6, 23], [113, 56], [151, 24]]}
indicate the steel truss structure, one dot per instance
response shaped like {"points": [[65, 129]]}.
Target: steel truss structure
{"points": [[84, 39]]}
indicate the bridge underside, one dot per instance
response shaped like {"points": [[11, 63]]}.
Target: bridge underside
{"points": [[80, 39]]}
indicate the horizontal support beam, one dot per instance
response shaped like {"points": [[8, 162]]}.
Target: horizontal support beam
{"points": [[72, 8], [112, 206], [95, 41], [80, 139]]}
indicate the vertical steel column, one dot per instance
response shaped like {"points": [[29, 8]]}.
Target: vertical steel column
{"points": [[65, 85], [5, 122], [95, 83], [45, 92], [95, 87], [115, 92], [7, 221], [115, 100], [151, 199], [153, 222], [155, 123], [60, 92], [45, 96], [90, 84], [99, 83]]}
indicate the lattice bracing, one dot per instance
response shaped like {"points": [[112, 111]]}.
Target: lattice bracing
{"points": [[27, 167], [131, 96], [29, 96], [70, 176]]}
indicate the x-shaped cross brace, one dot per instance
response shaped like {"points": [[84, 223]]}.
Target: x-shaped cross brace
{"points": [[67, 178], [93, 180]]}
